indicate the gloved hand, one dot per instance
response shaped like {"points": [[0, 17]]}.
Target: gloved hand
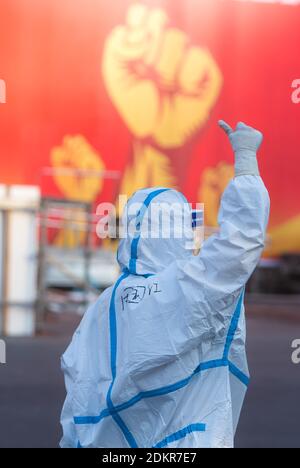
{"points": [[245, 142]]}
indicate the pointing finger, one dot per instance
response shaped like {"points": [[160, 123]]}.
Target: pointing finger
{"points": [[227, 129]]}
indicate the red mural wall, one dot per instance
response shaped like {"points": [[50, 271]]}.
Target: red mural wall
{"points": [[138, 87]]}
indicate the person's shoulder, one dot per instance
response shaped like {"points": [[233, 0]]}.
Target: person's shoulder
{"points": [[96, 306], [102, 300], [105, 294]]}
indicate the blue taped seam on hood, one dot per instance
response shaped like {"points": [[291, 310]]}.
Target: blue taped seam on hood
{"points": [[135, 242], [143, 256]]}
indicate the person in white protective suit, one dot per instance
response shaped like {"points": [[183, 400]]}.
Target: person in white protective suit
{"points": [[159, 360]]}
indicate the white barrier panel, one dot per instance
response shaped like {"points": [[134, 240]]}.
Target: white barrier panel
{"points": [[18, 233]]}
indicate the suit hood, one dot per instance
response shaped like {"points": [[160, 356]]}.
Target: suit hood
{"points": [[157, 230]]}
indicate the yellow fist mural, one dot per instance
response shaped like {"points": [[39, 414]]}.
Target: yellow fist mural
{"points": [[150, 167], [284, 238], [214, 180], [163, 86], [77, 155], [79, 178]]}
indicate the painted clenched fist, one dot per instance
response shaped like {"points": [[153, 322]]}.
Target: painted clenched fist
{"points": [[79, 169], [163, 86]]}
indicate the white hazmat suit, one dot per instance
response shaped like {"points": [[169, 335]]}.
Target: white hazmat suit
{"points": [[159, 360]]}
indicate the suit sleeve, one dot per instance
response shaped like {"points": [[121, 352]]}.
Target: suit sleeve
{"points": [[199, 295], [230, 257], [213, 281]]}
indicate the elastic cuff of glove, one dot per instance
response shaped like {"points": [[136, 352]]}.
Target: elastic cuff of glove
{"points": [[246, 164]]}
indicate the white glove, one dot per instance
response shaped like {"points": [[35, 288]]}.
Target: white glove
{"points": [[245, 142]]}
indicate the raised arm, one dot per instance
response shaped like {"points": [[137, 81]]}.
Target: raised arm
{"points": [[230, 256], [205, 290]]}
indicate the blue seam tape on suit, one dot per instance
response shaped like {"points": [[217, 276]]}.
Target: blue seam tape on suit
{"points": [[112, 410], [233, 326], [167, 389], [113, 360], [181, 434], [135, 242], [113, 325], [245, 379], [151, 393]]}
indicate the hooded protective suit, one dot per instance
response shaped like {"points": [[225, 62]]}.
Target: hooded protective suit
{"points": [[159, 360]]}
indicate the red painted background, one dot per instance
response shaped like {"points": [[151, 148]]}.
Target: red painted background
{"points": [[50, 59]]}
